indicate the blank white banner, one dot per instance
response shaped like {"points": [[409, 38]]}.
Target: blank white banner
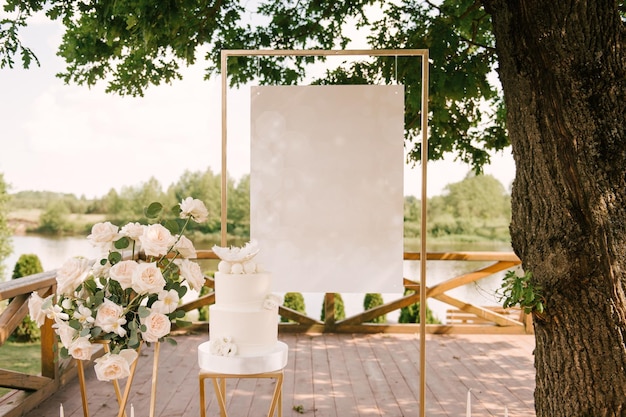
{"points": [[326, 186]]}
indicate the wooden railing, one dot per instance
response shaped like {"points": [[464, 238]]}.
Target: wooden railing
{"points": [[29, 390]]}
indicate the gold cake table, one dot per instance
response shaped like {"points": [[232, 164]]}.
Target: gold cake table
{"points": [[220, 368]]}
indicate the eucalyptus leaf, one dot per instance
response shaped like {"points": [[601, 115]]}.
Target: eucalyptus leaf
{"points": [[183, 323], [114, 257], [153, 210], [172, 226], [122, 243]]}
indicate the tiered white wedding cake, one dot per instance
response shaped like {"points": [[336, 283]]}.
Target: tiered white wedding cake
{"points": [[243, 322]]}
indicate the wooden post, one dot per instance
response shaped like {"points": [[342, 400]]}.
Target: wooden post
{"points": [[329, 312]]}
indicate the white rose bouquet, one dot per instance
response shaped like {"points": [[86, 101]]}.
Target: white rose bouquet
{"points": [[128, 296]]}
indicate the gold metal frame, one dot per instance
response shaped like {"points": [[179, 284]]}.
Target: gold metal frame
{"points": [[423, 53], [122, 399], [219, 384]]}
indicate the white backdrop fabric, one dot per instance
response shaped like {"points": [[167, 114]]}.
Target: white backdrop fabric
{"points": [[326, 190]]}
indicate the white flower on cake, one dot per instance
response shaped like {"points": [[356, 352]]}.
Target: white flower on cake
{"points": [[239, 255], [272, 301], [223, 347], [124, 298]]}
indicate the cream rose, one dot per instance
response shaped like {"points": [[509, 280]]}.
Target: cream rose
{"points": [[157, 326], [184, 246], [132, 230], [191, 271], [103, 235], [81, 348], [35, 303], [194, 208], [112, 366], [156, 240], [123, 272], [147, 278], [65, 332], [72, 273], [108, 315]]}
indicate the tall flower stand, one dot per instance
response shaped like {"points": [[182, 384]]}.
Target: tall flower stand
{"points": [[122, 399], [220, 368]]}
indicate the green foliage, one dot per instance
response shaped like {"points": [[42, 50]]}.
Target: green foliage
{"points": [[5, 233], [521, 291], [340, 312], [476, 206], [55, 219], [411, 313], [131, 45], [27, 331], [294, 301], [372, 300], [27, 264]]}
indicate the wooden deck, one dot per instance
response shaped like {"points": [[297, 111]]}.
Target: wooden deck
{"points": [[335, 375]]}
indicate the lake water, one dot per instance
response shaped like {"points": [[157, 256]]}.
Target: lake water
{"points": [[53, 251]]}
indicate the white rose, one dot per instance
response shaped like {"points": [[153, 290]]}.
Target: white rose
{"points": [[112, 366], [65, 332], [148, 278], [156, 240], [123, 272], [191, 271], [185, 247], [71, 274], [167, 302], [98, 270], [108, 314], [132, 230], [103, 235], [195, 209], [157, 326], [35, 302], [81, 348], [272, 301]]}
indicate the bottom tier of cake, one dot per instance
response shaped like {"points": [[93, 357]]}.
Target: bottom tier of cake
{"points": [[272, 361]]}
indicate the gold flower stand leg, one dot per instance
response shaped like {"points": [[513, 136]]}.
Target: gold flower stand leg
{"points": [[219, 384], [122, 400]]}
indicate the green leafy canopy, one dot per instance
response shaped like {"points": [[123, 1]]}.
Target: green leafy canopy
{"points": [[132, 44]]}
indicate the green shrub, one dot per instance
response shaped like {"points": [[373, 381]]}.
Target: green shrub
{"points": [[294, 301], [372, 300], [411, 313], [340, 312], [27, 331]]}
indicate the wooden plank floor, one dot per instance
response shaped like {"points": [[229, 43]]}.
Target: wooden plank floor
{"points": [[335, 375]]}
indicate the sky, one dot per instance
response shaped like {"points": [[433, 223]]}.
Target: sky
{"points": [[72, 139]]}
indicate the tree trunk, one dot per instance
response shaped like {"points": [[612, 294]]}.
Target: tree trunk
{"points": [[562, 68]]}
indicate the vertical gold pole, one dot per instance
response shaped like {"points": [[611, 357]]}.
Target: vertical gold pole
{"points": [[129, 382], [423, 251], [155, 370], [83, 388], [224, 211]]}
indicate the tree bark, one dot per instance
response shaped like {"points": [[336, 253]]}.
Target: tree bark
{"points": [[563, 72]]}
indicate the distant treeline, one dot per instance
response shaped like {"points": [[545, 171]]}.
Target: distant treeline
{"points": [[476, 208]]}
